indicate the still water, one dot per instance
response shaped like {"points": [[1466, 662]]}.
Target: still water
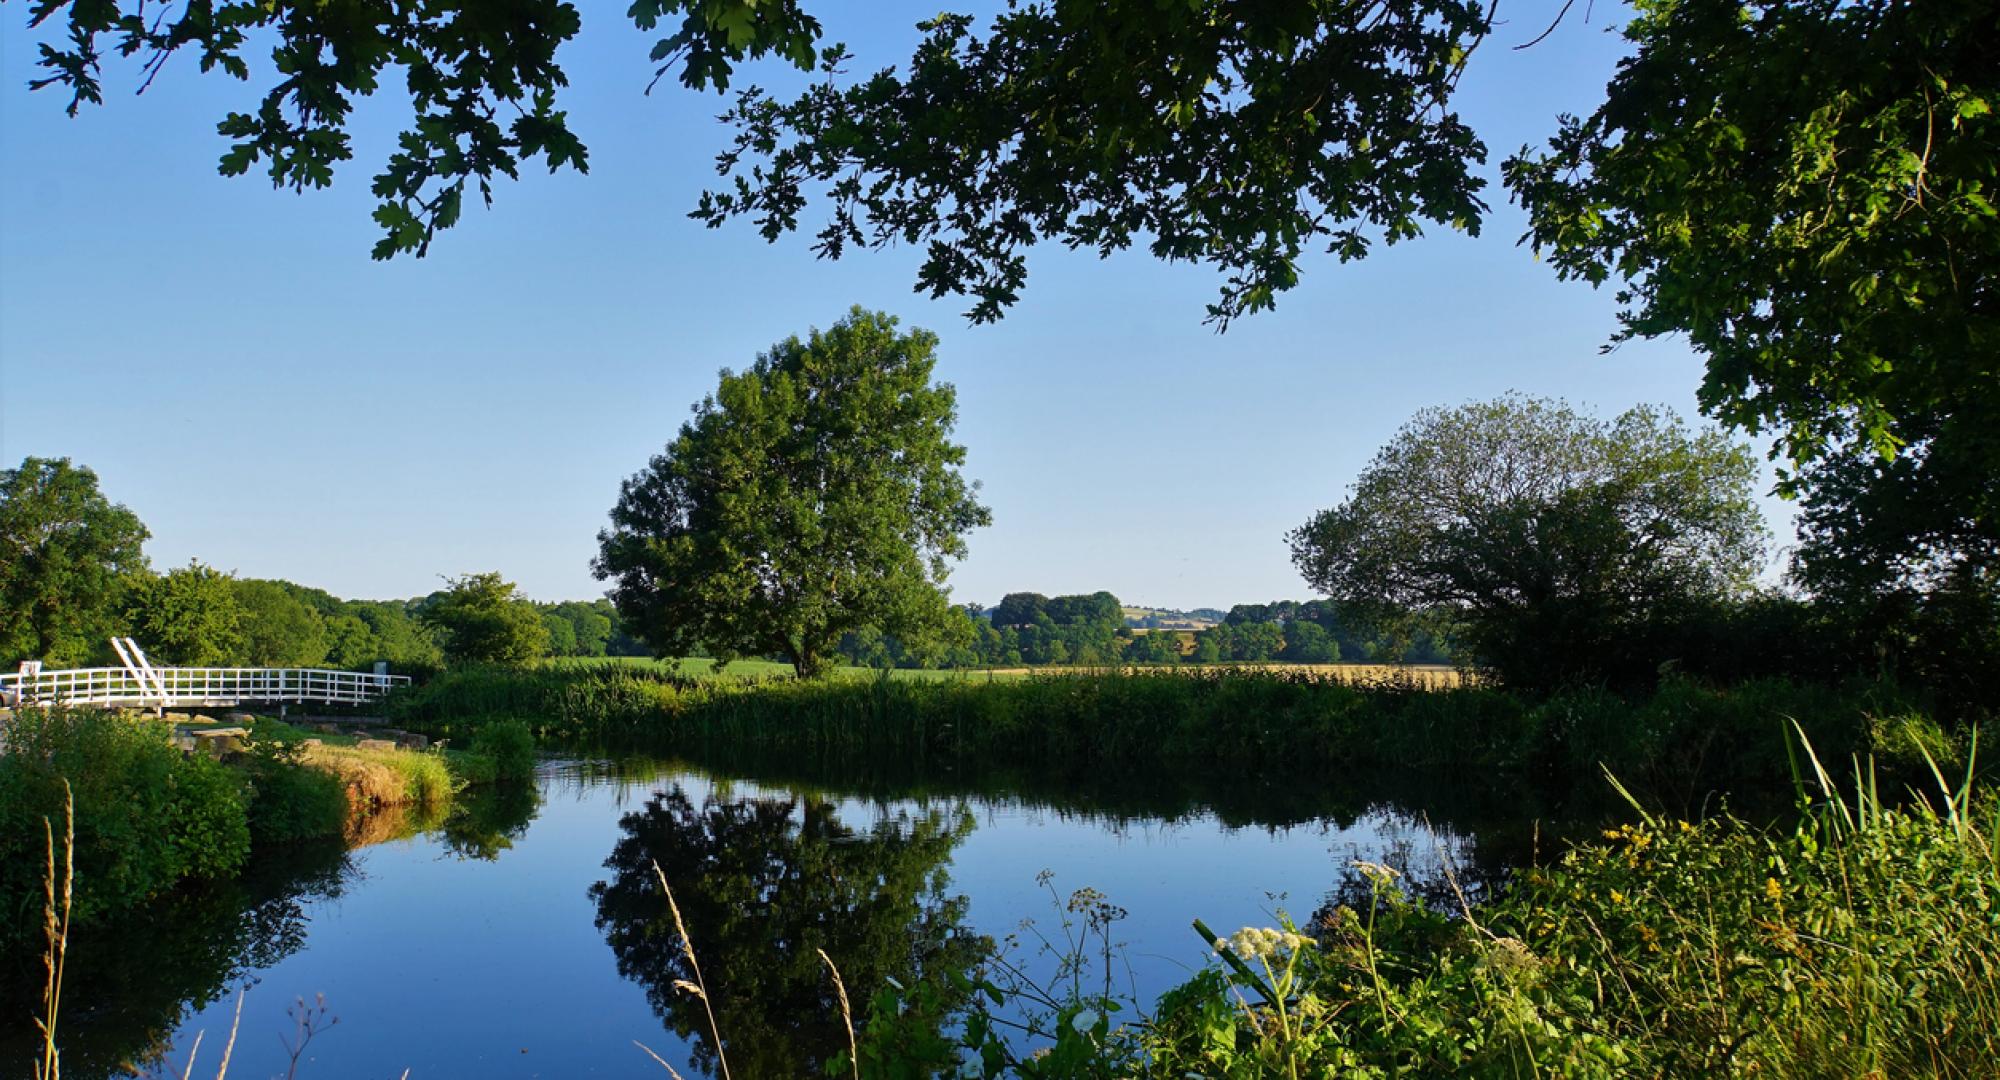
{"points": [[525, 935]]}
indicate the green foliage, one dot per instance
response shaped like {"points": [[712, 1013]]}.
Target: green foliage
{"points": [[482, 82], [65, 551], [278, 628], [484, 619], [510, 745], [350, 644], [1028, 628], [1230, 137], [397, 634], [1679, 746], [590, 627], [147, 816], [1807, 191], [1861, 943], [1154, 647], [291, 801], [1207, 648], [561, 635], [1062, 1026], [188, 615], [1309, 643], [813, 494], [427, 778], [1903, 548], [1557, 543], [1222, 135]]}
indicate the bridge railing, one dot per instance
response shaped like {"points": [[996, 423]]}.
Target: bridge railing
{"points": [[172, 686]]}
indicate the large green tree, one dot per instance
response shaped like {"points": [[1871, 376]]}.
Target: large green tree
{"points": [[188, 615], [1309, 643], [483, 618], [65, 551], [590, 624], [396, 634], [1807, 190], [1559, 543], [279, 628], [813, 494]]}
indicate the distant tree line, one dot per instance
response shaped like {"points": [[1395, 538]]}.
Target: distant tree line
{"points": [[73, 575], [1031, 630]]}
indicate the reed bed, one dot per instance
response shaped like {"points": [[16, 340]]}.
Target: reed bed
{"points": [[1677, 746]]}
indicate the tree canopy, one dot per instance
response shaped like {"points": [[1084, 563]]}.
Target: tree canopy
{"points": [[65, 552], [188, 615], [279, 629], [485, 619], [1805, 188], [1216, 132], [813, 494], [1551, 537]]}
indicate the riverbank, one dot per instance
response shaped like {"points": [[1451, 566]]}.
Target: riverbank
{"points": [[158, 802], [1862, 941], [1678, 748]]}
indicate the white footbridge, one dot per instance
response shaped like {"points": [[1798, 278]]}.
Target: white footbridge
{"points": [[139, 683]]}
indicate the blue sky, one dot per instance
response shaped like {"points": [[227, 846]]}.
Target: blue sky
{"points": [[274, 403]]}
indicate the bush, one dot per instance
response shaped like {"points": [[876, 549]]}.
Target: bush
{"points": [[510, 746], [293, 801], [146, 815]]}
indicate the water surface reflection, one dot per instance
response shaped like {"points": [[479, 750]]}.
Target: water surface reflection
{"points": [[525, 934]]}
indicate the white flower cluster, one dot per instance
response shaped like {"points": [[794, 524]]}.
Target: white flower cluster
{"points": [[1254, 942]]}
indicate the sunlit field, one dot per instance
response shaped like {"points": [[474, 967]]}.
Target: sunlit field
{"points": [[1428, 676]]}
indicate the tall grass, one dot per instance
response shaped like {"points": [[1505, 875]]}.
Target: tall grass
{"points": [[1678, 747], [379, 778], [1863, 941]]}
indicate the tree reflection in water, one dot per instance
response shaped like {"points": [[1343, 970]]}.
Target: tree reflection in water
{"points": [[763, 883], [486, 821], [129, 982]]}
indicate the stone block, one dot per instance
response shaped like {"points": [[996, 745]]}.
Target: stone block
{"points": [[374, 744], [411, 741]]}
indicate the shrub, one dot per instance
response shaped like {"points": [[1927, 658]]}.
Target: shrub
{"points": [[292, 801], [510, 746], [146, 815]]}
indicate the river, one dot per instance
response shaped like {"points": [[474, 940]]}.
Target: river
{"points": [[525, 934]]}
